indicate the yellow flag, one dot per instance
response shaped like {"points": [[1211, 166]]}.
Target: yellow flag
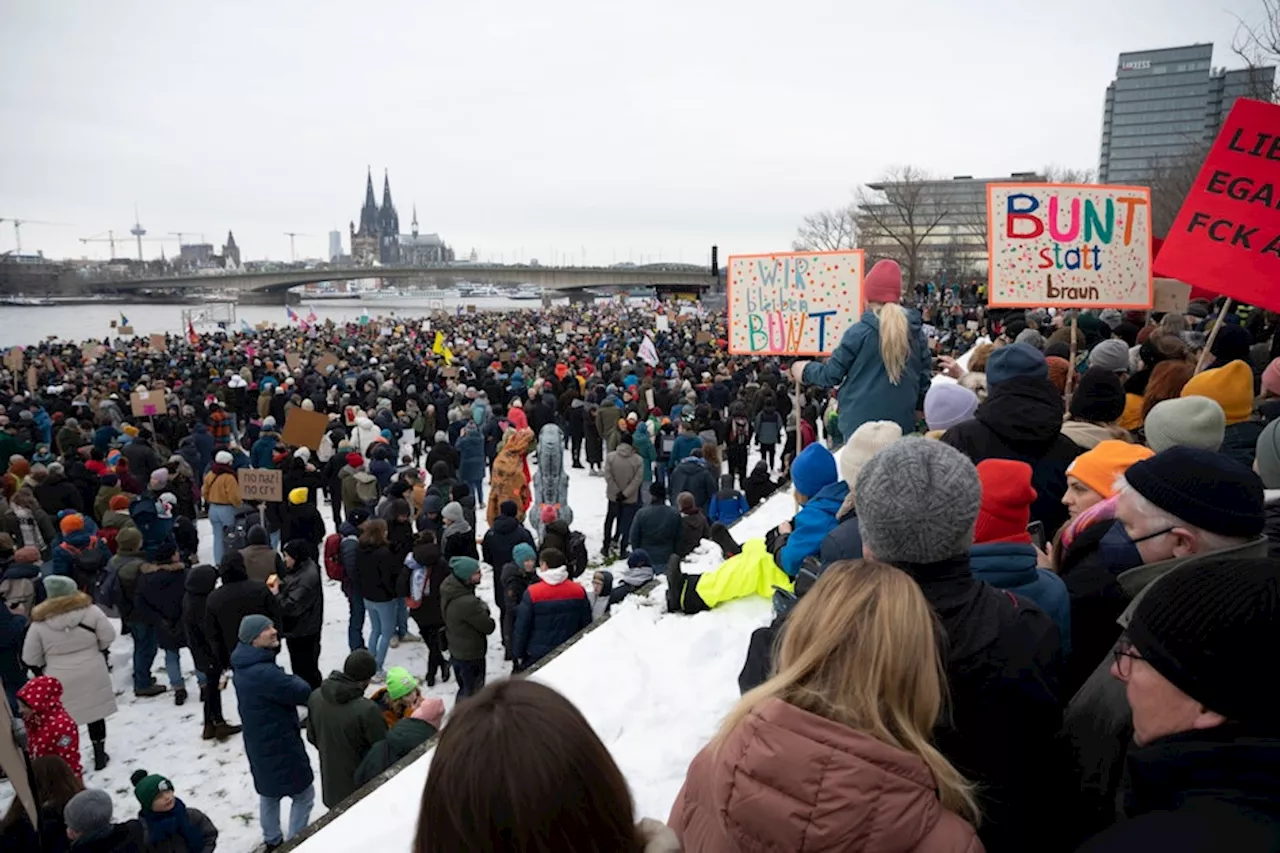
{"points": [[438, 346]]}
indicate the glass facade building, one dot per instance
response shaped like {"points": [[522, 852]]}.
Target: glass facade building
{"points": [[1164, 103]]}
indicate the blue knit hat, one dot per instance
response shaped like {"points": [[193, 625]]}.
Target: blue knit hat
{"points": [[523, 551], [1016, 360], [813, 469], [251, 626]]}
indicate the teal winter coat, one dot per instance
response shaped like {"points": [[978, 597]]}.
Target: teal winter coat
{"points": [[866, 394]]}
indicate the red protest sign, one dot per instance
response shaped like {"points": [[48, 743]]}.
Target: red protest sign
{"points": [[1226, 237]]}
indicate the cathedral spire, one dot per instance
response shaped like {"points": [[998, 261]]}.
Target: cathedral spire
{"points": [[369, 213], [415, 219]]}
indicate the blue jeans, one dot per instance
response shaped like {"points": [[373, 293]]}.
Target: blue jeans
{"points": [[173, 669], [144, 653], [402, 618], [221, 516], [355, 625], [477, 488], [382, 624], [299, 815]]}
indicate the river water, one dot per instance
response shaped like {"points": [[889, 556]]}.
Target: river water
{"points": [[20, 325]]}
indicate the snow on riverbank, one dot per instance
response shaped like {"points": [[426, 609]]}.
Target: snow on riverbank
{"points": [[654, 686]]}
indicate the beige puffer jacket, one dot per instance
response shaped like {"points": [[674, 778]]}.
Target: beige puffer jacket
{"points": [[67, 637]]}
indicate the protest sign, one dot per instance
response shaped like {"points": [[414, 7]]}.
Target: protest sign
{"points": [[144, 403], [471, 309], [261, 484], [566, 326], [793, 303], [703, 338], [482, 344], [1172, 296], [13, 359], [1226, 237], [32, 378], [323, 362], [449, 372], [1069, 245], [293, 360], [662, 323], [305, 429], [113, 324], [158, 343], [125, 330]]}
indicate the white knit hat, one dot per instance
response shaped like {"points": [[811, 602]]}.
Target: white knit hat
{"points": [[862, 445]]}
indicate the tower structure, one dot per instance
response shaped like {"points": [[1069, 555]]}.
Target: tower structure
{"points": [[378, 237]]}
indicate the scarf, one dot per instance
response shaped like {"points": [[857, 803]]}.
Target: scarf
{"points": [[218, 469], [161, 826], [29, 528], [459, 526]]}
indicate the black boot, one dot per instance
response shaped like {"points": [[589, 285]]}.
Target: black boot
{"points": [[204, 693], [222, 729], [675, 584], [100, 757], [728, 545]]}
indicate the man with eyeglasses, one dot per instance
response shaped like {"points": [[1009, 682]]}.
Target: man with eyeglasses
{"points": [[1197, 667], [1178, 508]]}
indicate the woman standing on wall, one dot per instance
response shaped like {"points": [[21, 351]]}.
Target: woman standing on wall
{"points": [[881, 364]]}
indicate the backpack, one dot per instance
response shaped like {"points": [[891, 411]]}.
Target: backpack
{"points": [[236, 536], [108, 593], [333, 558], [367, 492], [577, 557], [19, 594], [738, 431], [86, 564]]}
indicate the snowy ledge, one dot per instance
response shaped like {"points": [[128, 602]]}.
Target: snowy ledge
{"points": [[654, 685]]}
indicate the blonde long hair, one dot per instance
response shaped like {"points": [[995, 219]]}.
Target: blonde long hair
{"points": [[894, 343], [861, 649]]}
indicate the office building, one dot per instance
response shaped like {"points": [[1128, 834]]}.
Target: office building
{"points": [[335, 245], [947, 217], [1167, 104]]}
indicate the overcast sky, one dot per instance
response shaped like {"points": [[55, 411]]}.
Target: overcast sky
{"points": [[616, 130]]}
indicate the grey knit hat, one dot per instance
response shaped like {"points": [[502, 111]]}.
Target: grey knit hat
{"points": [[1268, 455], [917, 502], [1186, 421], [88, 811], [1111, 354], [452, 511], [1031, 337]]}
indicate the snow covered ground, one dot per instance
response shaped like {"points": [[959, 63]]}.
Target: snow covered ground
{"points": [[654, 685]]}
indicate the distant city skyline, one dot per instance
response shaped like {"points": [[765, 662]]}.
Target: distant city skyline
{"points": [[585, 133]]}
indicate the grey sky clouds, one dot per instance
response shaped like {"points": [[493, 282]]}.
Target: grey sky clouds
{"points": [[627, 130]]}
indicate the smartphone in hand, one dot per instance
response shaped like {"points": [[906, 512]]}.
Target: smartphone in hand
{"points": [[1036, 529]]}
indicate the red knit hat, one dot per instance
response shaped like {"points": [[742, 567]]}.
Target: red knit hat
{"points": [[1006, 501], [883, 283], [355, 460]]}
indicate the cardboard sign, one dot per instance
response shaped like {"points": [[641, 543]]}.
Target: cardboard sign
{"points": [[793, 303], [1226, 237], [1069, 245], [703, 338], [293, 360], [113, 324], [471, 309], [482, 344], [648, 397], [158, 343], [144, 403], [305, 429], [566, 326], [261, 484], [662, 323], [125, 330], [32, 378], [505, 356], [449, 372], [13, 359], [325, 361], [504, 330], [1172, 296], [971, 325]]}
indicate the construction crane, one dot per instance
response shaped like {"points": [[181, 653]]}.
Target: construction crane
{"points": [[180, 235], [293, 255], [17, 229], [111, 238]]}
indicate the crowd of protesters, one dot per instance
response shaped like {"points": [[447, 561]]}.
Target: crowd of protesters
{"points": [[1044, 572]]}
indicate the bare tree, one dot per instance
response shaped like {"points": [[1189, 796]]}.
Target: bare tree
{"points": [[827, 231], [1056, 174], [1171, 179], [897, 216], [1258, 44]]}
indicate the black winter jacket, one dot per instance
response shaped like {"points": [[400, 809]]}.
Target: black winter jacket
{"points": [[1200, 792], [844, 542], [200, 582], [301, 600], [657, 529], [230, 603], [1022, 420], [502, 538], [556, 535], [377, 572], [158, 602], [693, 476], [428, 612]]}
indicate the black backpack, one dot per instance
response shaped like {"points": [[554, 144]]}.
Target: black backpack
{"points": [[87, 564], [108, 592], [577, 556]]}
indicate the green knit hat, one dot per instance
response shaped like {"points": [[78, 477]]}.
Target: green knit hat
{"points": [[400, 683], [464, 567], [148, 786]]}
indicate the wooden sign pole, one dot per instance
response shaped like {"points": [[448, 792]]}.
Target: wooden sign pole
{"points": [[1071, 364], [1208, 345]]}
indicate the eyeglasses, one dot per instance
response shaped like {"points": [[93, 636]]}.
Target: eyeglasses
{"points": [[1125, 656]]}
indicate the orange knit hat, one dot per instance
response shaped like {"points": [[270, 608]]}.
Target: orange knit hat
{"points": [[1230, 386], [71, 523], [1098, 468]]}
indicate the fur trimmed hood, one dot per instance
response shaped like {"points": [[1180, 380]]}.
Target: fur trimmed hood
{"points": [[51, 607]]}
